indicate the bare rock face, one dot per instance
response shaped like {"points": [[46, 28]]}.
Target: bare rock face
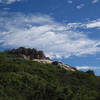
{"points": [[65, 66], [28, 53]]}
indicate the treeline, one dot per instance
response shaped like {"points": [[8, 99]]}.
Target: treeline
{"points": [[22, 79]]}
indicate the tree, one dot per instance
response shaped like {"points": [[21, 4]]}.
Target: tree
{"points": [[91, 72], [41, 54]]}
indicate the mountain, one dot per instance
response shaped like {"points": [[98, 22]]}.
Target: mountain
{"points": [[26, 79]]}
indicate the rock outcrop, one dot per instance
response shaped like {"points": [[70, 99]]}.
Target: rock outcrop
{"points": [[28, 53]]}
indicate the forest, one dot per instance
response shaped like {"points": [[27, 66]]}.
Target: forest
{"points": [[22, 79]]}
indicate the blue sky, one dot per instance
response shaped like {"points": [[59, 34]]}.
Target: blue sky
{"points": [[67, 30]]}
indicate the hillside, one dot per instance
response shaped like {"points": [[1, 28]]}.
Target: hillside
{"points": [[39, 56], [22, 79]]}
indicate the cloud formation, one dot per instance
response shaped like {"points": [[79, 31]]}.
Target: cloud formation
{"points": [[9, 1], [43, 32], [80, 6], [94, 24], [95, 1], [70, 1], [88, 67]]}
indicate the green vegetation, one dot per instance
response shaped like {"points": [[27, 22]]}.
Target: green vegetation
{"points": [[27, 80]]}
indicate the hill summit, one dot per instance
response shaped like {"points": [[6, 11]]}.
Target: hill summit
{"points": [[29, 53], [39, 56]]}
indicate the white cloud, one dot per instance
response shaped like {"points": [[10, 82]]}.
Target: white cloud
{"points": [[70, 1], [94, 24], [80, 6], [95, 1], [88, 67], [75, 26], [43, 32], [83, 67], [9, 1], [6, 8], [90, 24]]}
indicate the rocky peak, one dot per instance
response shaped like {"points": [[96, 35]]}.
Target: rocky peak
{"points": [[39, 56], [29, 53]]}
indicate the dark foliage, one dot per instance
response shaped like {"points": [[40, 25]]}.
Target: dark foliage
{"points": [[55, 63], [90, 72], [27, 80]]}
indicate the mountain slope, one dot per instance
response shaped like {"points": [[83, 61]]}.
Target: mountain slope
{"points": [[22, 79]]}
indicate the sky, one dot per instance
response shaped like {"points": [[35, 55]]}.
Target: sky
{"points": [[66, 30]]}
